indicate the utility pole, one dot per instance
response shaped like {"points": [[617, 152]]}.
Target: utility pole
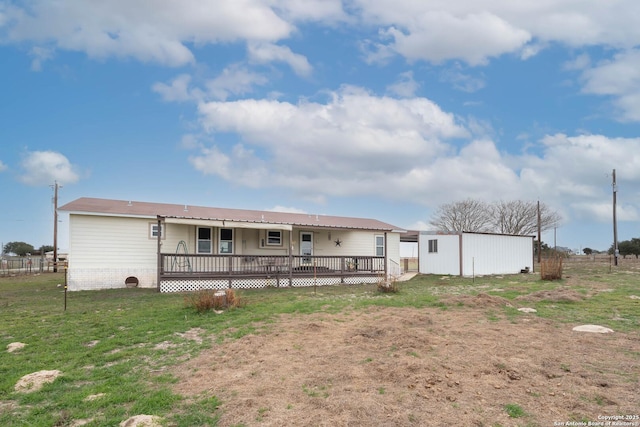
{"points": [[55, 226], [615, 222], [539, 242]]}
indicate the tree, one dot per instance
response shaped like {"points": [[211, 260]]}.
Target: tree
{"points": [[519, 217], [45, 248], [18, 248], [511, 217], [587, 251], [467, 215], [628, 247]]}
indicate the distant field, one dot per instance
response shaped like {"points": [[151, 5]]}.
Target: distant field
{"points": [[456, 350]]}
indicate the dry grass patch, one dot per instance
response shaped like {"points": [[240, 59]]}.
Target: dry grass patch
{"points": [[212, 299]]}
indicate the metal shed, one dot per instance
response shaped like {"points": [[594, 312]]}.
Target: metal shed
{"points": [[474, 254]]}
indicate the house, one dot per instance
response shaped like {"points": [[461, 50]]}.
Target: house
{"points": [[474, 254], [114, 243]]}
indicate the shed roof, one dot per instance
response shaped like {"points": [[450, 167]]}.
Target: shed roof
{"points": [[107, 207]]}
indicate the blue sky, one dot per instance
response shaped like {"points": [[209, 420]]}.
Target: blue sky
{"points": [[366, 108]]}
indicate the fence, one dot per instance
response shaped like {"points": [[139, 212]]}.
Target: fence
{"points": [[12, 266]]}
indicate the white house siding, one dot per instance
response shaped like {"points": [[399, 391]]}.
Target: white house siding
{"points": [[446, 260], [105, 250], [495, 254], [393, 255]]}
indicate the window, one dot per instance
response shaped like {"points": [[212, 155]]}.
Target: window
{"points": [[226, 241], [433, 246], [153, 230], [204, 240], [274, 238], [379, 245]]}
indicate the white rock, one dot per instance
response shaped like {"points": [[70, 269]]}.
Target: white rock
{"points": [[36, 380], [593, 328], [527, 310], [14, 346], [142, 420]]}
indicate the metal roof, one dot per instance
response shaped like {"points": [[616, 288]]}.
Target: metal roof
{"points": [[107, 207]]}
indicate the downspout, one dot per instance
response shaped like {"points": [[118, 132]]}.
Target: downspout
{"points": [[159, 255], [460, 254]]}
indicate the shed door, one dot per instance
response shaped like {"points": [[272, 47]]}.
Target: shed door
{"points": [[306, 246]]}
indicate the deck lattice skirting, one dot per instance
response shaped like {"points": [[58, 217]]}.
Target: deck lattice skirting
{"points": [[185, 285]]}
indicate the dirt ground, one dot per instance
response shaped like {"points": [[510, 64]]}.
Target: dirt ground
{"points": [[419, 367]]}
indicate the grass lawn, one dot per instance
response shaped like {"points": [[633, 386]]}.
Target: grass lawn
{"points": [[113, 346]]}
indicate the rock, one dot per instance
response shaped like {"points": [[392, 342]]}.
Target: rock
{"points": [[14, 346], [142, 421], [93, 397], [35, 381], [527, 310], [593, 328]]}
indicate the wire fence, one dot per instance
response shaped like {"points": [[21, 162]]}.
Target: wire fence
{"points": [[13, 266]]}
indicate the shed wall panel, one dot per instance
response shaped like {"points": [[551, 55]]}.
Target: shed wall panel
{"points": [[446, 260], [484, 254]]}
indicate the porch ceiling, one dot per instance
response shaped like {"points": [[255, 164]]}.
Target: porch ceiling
{"points": [[230, 224]]}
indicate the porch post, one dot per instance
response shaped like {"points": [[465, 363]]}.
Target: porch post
{"points": [[159, 255], [386, 257], [291, 257]]}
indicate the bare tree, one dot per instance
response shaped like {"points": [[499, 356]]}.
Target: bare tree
{"points": [[467, 215], [511, 217], [521, 217]]}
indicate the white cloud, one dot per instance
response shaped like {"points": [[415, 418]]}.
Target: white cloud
{"points": [[358, 144], [530, 50], [476, 30], [603, 212], [352, 136], [580, 62], [3, 167], [240, 165], [469, 30], [312, 10], [439, 35], [178, 90], [462, 81], [263, 53], [405, 86], [190, 141], [45, 167], [157, 32], [40, 55], [355, 144], [619, 78], [234, 80]]}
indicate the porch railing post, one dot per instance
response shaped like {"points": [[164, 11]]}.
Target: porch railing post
{"points": [[159, 268], [386, 257], [291, 257]]}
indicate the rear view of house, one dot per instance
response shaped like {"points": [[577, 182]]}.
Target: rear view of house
{"points": [[177, 247]]}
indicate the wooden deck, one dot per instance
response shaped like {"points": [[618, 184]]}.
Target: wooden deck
{"points": [[186, 267]]}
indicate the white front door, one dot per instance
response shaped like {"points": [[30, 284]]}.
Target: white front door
{"points": [[306, 246]]}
